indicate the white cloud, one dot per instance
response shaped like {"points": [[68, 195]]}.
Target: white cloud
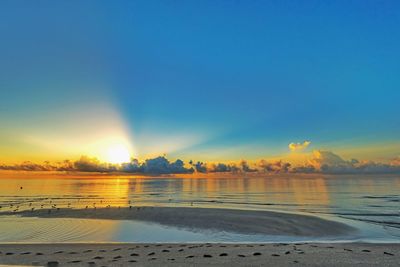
{"points": [[329, 162], [299, 146]]}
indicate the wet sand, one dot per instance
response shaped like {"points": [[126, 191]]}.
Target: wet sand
{"points": [[205, 254], [281, 254], [229, 220]]}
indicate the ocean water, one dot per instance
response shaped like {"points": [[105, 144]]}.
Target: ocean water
{"points": [[369, 203]]}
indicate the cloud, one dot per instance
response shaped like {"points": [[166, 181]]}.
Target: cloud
{"points": [[330, 163], [161, 165], [200, 167], [299, 146], [395, 161], [87, 164], [326, 158], [324, 162], [219, 167], [133, 167], [274, 167], [28, 166], [158, 165], [304, 169], [245, 166]]}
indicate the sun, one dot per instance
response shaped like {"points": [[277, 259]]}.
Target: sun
{"points": [[118, 154]]}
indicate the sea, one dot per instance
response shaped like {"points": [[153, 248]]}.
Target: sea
{"points": [[369, 203]]}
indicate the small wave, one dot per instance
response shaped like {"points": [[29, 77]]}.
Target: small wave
{"points": [[369, 214], [249, 203], [385, 223], [382, 197]]}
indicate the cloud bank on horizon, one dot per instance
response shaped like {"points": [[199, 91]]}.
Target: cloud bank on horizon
{"points": [[324, 162]]}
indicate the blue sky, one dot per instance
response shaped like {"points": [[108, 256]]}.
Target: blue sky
{"points": [[212, 79]]}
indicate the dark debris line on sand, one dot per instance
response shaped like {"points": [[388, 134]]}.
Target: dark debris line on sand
{"points": [[199, 254]]}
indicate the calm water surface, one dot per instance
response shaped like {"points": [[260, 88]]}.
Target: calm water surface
{"points": [[370, 203]]}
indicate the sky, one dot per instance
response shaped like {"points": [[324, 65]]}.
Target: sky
{"points": [[206, 80]]}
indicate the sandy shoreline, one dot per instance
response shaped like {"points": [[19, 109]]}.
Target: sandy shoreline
{"points": [[229, 220], [281, 254], [203, 254]]}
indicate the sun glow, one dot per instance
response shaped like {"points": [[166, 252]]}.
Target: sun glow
{"points": [[118, 154]]}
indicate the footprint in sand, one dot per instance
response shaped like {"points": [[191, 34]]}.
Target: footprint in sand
{"points": [[165, 250], [39, 253], [58, 252], [223, 254], [117, 257], [189, 257], [25, 253], [152, 259], [346, 249], [102, 250], [388, 253], [52, 263], [287, 252], [241, 256], [171, 259], [98, 258], [256, 254], [87, 251], [132, 261], [135, 255], [9, 253], [75, 261], [151, 254], [180, 250], [116, 249], [366, 250], [207, 256], [275, 255]]}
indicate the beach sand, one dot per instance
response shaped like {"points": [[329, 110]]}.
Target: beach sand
{"points": [[281, 254], [209, 254], [229, 220]]}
